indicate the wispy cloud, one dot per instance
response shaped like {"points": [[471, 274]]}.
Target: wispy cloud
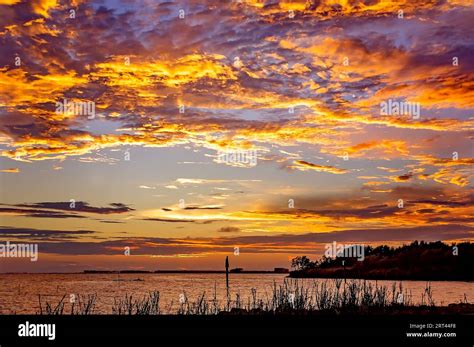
{"points": [[304, 166], [11, 170]]}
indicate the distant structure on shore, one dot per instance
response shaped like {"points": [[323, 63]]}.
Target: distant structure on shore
{"points": [[281, 270]]}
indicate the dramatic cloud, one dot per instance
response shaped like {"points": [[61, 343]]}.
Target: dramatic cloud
{"points": [[199, 90]]}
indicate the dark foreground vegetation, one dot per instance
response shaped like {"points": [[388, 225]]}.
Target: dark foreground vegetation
{"points": [[418, 261], [292, 297]]}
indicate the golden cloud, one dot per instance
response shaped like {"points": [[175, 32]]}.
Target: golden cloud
{"points": [[304, 166]]}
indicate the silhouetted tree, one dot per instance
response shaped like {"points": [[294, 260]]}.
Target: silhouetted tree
{"points": [[301, 263]]}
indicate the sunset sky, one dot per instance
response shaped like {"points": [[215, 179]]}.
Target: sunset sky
{"points": [[176, 82]]}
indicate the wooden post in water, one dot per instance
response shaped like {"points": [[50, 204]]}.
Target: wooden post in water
{"points": [[227, 273], [344, 265]]}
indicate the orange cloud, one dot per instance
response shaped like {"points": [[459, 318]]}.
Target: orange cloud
{"points": [[42, 7], [11, 170], [18, 88], [304, 166]]}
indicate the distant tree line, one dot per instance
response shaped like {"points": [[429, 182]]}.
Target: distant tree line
{"points": [[417, 261]]}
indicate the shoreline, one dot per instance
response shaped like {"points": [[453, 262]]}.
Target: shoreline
{"points": [[250, 272], [393, 279]]}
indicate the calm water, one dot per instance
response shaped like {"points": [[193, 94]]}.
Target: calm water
{"points": [[19, 292]]}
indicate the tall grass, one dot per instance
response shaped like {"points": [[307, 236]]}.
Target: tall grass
{"points": [[291, 296], [84, 305], [148, 305]]}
